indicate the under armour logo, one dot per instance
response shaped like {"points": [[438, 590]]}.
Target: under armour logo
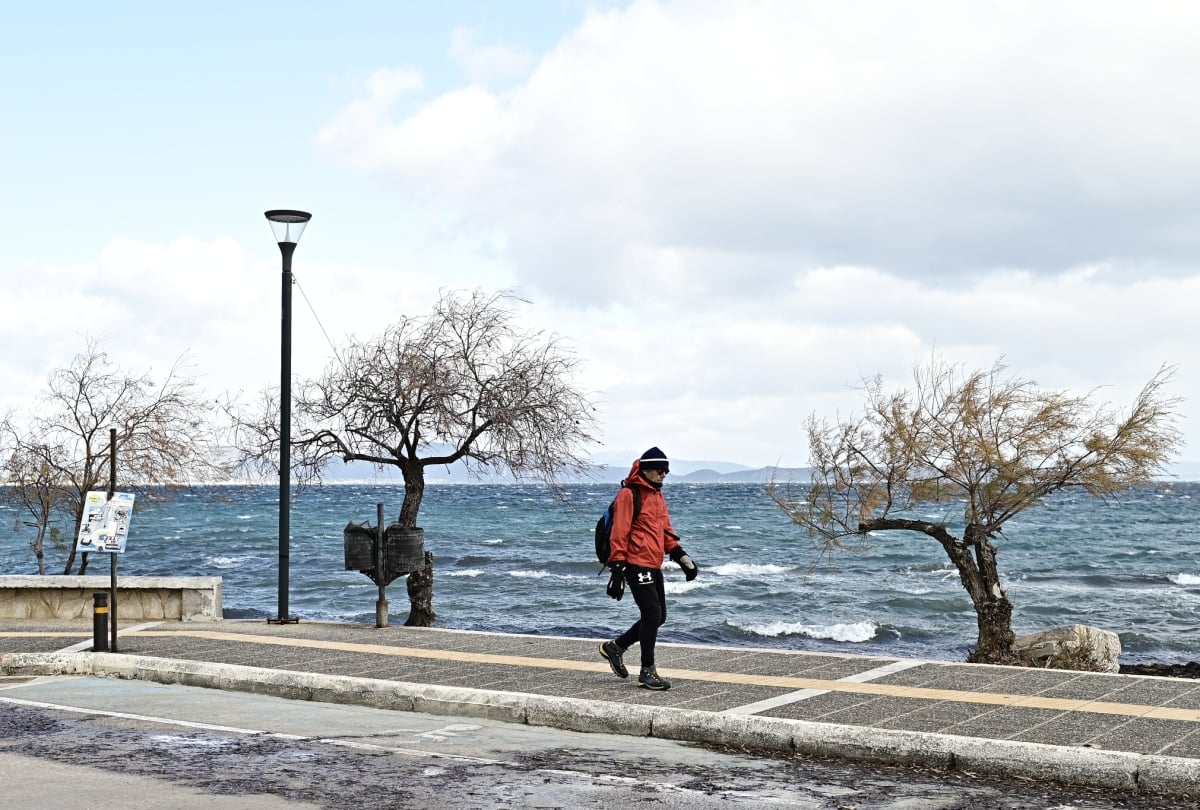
{"points": [[645, 577]]}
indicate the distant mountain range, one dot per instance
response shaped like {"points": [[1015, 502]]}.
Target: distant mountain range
{"points": [[609, 470], [707, 475], [694, 472]]}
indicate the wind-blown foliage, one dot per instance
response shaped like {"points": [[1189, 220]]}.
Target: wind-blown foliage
{"points": [[994, 444], [461, 384], [165, 437]]}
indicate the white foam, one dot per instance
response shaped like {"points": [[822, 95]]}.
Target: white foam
{"points": [[1186, 580], [228, 562], [467, 572], [749, 570], [855, 633], [674, 587], [538, 575], [495, 542]]}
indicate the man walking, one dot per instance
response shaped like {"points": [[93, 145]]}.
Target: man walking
{"points": [[639, 543]]}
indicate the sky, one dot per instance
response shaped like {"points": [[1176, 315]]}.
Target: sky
{"points": [[732, 211]]}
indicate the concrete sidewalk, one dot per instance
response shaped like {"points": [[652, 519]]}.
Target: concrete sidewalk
{"points": [[1119, 731]]}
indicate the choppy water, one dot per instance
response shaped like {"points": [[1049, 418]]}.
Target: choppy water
{"points": [[513, 558]]}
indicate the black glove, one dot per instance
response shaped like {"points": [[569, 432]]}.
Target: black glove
{"points": [[616, 582], [681, 558]]}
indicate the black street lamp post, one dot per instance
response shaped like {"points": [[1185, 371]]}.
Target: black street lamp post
{"points": [[287, 226]]}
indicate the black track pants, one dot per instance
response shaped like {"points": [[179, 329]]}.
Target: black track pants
{"points": [[646, 585]]}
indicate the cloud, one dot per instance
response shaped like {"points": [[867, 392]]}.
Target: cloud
{"points": [[734, 211], [743, 209], [940, 138], [487, 64], [718, 378]]}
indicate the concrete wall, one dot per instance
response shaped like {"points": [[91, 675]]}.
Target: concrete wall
{"points": [[138, 598]]}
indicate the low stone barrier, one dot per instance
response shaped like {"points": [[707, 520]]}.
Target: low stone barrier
{"points": [[138, 598]]}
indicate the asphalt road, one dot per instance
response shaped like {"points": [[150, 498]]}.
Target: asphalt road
{"points": [[103, 743]]}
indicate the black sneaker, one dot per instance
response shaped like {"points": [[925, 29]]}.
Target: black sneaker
{"points": [[649, 679], [612, 653]]}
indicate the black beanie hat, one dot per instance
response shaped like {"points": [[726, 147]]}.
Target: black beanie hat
{"points": [[655, 459]]}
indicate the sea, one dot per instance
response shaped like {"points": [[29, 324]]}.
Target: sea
{"points": [[519, 558]]}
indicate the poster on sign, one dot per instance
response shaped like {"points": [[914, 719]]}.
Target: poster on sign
{"points": [[105, 522]]}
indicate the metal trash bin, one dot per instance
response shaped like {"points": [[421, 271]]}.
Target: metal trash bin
{"points": [[359, 541], [405, 549]]}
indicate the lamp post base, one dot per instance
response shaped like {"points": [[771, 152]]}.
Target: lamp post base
{"points": [[285, 620]]}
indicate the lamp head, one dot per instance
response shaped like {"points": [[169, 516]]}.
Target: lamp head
{"points": [[288, 225]]}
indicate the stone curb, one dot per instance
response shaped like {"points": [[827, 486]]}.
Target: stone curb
{"points": [[1144, 773]]}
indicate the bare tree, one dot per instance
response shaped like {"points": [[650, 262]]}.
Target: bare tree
{"points": [[462, 384], [30, 488], [166, 438], [994, 446]]}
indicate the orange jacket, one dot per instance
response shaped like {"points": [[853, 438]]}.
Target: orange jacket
{"points": [[650, 538]]}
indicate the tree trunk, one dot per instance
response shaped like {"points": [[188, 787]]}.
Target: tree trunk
{"points": [[420, 594], [420, 583], [995, 644], [39, 545], [975, 558], [992, 608], [414, 493], [71, 546]]}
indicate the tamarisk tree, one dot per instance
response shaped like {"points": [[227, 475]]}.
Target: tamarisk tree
{"points": [[462, 384], [980, 441], [30, 485], [165, 439]]}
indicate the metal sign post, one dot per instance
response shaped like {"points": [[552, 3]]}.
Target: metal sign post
{"points": [[381, 604], [112, 570], [104, 529]]}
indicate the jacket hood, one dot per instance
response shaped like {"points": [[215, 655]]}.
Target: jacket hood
{"points": [[635, 477], [635, 472]]}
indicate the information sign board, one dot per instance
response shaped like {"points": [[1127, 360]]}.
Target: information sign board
{"points": [[105, 522]]}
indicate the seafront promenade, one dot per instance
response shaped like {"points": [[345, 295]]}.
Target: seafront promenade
{"points": [[1124, 732]]}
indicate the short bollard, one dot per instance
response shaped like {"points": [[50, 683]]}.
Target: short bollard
{"points": [[100, 622]]}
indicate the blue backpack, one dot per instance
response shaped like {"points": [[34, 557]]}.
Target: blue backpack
{"points": [[604, 525]]}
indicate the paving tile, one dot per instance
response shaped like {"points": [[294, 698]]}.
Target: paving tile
{"points": [[871, 713], [1150, 691], [1144, 736], [934, 717], [1187, 700], [1187, 746], [940, 676], [38, 644], [819, 706], [1072, 729], [844, 668], [1031, 681], [1088, 686], [1003, 724]]}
